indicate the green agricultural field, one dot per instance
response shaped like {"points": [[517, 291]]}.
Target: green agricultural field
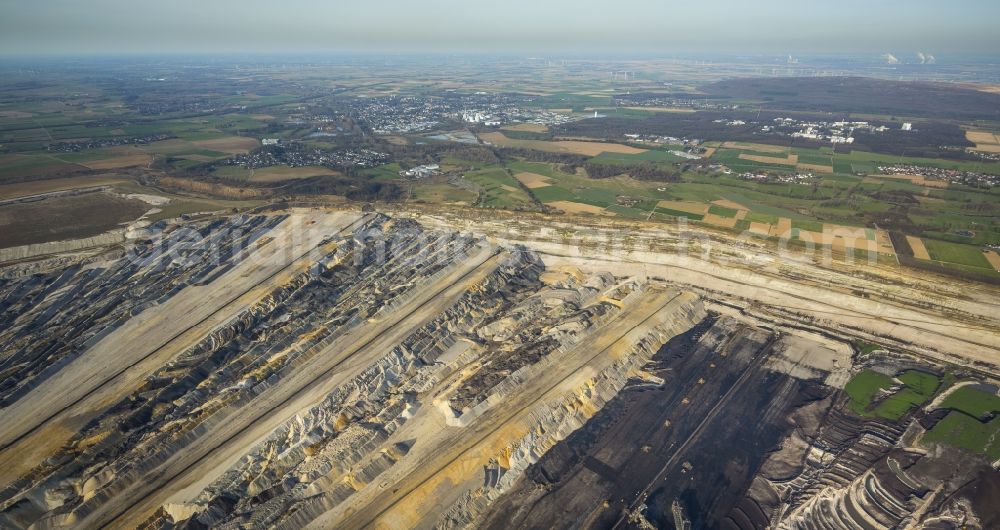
{"points": [[807, 156], [384, 172], [679, 214], [863, 388], [968, 255], [652, 155], [438, 192], [962, 430], [918, 388], [731, 158], [631, 213], [500, 189], [554, 193], [66, 217], [972, 401], [722, 211], [762, 218], [806, 224], [567, 100]]}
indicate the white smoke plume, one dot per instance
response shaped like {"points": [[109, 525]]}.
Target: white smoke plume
{"points": [[925, 58], [890, 59]]}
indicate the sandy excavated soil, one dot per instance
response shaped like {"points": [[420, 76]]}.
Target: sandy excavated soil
{"points": [[955, 327], [684, 206], [993, 258], [579, 207], [917, 245], [533, 180]]}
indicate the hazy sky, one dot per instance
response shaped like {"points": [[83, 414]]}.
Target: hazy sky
{"points": [[529, 26]]}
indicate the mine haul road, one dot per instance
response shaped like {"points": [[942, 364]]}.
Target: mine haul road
{"points": [[199, 463], [938, 337], [944, 320], [40, 422]]}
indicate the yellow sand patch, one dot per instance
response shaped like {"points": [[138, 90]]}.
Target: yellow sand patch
{"points": [[684, 206], [814, 167], [994, 259], [718, 220], [992, 89], [527, 127], [232, 144], [577, 207], [985, 141], [816, 238], [848, 238], [564, 146], [760, 228], [709, 151], [533, 180], [726, 203], [789, 160], [509, 188], [760, 148], [848, 232], [884, 243], [982, 137], [987, 148], [918, 248], [120, 161], [843, 243], [783, 228]]}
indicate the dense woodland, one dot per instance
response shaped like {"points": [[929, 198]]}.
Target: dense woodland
{"points": [[930, 138], [864, 95]]}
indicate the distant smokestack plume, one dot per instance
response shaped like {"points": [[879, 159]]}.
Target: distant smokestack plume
{"points": [[890, 59], [921, 57]]}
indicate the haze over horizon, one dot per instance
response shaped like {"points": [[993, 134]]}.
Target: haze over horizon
{"points": [[562, 26]]}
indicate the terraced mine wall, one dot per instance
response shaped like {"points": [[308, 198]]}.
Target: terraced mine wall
{"points": [[389, 375], [225, 372], [331, 450], [724, 440], [553, 422], [707, 394], [109, 238], [46, 320]]}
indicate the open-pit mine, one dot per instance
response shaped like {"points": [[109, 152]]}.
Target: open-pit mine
{"points": [[319, 368]]}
